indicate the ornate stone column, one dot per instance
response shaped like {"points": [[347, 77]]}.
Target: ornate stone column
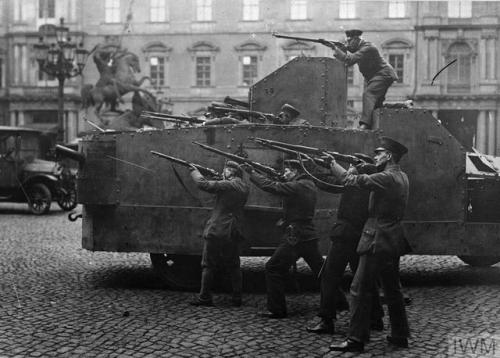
{"points": [[13, 118], [491, 119], [20, 118], [481, 132]]}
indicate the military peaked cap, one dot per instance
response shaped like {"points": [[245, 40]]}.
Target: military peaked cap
{"points": [[364, 157], [391, 145], [233, 165], [290, 109], [354, 32]]}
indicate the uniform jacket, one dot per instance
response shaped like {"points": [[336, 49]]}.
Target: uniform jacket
{"points": [[352, 211], [369, 61], [299, 202], [383, 233], [231, 197]]}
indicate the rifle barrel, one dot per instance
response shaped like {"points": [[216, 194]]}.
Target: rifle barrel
{"points": [[203, 170], [297, 38], [351, 159], [258, 166]]}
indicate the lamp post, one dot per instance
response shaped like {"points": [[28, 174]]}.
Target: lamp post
{"points": [[62, 59]]}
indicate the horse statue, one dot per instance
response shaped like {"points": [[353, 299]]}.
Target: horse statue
{"points": [[117, 77]]}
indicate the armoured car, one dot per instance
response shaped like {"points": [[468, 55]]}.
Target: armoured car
{"points": [[134, 202]]}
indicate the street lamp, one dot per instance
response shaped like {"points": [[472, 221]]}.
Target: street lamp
{"points": [[61, 60]]}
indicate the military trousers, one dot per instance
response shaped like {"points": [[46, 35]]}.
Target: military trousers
{"points": [[342, 251], [386, 269], [278, 265], [374, 96], [220, 254]]}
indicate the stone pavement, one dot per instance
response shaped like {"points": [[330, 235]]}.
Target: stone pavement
{"points": [[58, 300]]}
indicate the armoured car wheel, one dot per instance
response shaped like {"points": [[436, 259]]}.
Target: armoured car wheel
{"points": [[67, 199], [480, 261], [39, 199], [178, 271]]}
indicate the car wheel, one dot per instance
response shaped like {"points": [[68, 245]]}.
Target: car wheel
{"points": [[67, 199], [40, 199]]}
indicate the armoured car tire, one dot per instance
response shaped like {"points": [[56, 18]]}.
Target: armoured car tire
{"points": [[40, 199], [180, 272], [480, 261], [67, 199]]}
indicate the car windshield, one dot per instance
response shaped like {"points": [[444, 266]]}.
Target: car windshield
{"points": [[30, 147]]}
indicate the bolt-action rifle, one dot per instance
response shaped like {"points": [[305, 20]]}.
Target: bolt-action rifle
{"points": [[219, 111], [340, 45], [168, 117], [203, 170], [351, 159], [257, 166], [319, 161]]}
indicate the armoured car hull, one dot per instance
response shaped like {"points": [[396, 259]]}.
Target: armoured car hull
{"points": [[134, 202]]}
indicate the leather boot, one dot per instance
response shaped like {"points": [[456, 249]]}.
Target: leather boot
{"points": [[323, 326]]}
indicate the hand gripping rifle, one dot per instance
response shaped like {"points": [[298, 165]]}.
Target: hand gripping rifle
{"points": [[257, 166], [203, 170], [351, 159], [338, 44]]}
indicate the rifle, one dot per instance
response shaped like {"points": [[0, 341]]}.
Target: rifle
{"points": [[223, 110], [176, 121], [203, 170], [319, 161], [351, 159], [340, 45], [164, 116], [257, 166], [236, 102]]}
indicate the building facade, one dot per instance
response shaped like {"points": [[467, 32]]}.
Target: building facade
{"points": [[198, 51]]}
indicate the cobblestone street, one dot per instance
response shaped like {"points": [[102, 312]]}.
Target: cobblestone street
{"points": [[58, 300]]}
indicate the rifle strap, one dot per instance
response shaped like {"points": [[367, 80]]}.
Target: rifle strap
{"points": [[315, 179]]}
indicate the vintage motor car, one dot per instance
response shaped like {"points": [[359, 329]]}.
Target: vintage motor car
{"points": [[25, 177]]}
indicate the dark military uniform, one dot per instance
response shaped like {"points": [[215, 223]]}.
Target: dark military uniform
{"points": [[378, 74], [380, 247], [299, 201], [222, 231], [351, 216]]}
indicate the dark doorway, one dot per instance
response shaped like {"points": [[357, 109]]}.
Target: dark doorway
{"points": [[461, 124]]}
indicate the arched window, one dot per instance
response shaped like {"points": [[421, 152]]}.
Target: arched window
{"points": [[459, 73], [250, 58], [397, 53], [157, 56], [296, 48], [203, 55]]}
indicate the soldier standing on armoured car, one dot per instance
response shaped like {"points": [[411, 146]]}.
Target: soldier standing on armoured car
{"points": [[378, 74], [381, 245], [351, 216], [222, 233], [299, 201]]}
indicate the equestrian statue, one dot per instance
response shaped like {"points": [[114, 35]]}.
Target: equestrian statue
{"points": [[117, 69]]}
